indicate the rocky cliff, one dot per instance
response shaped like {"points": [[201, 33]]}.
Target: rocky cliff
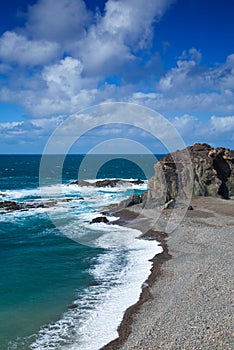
{"points": [[199, 170]]}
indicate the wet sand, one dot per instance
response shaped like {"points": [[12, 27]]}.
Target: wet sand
{"points": [[187, 301]]}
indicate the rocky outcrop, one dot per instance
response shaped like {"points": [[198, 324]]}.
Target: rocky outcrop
{"points": [[107, 182], [8, 206], [199, 170]]}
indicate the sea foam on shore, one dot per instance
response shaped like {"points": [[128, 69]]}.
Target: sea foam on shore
{"points": [[98, 324]]}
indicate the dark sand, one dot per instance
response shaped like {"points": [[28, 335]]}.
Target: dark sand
{"points": [[188, 299]]}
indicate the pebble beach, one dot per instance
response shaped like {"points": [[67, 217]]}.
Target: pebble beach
{"points": [[188, 300]]}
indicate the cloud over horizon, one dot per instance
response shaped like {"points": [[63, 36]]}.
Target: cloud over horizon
{"points": [[67, 57]]}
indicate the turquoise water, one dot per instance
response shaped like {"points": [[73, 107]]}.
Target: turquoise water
{"points": [[51, 285]]}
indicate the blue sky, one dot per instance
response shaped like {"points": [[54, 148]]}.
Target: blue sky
{"points": [[59, 57]]}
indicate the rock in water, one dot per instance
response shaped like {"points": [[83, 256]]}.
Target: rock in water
{"points": [[107, 182], [99, 219], [208, 172], [10, 205]]}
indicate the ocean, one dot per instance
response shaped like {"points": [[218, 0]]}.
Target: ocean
{"points": [[65, 283]]}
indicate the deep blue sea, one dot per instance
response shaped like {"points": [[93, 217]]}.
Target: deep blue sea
{"points": [[64, 283]]}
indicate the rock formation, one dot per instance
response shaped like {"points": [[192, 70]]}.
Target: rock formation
{"points": [[99, 219], [199, 170], [107, 183], [8, 206]]}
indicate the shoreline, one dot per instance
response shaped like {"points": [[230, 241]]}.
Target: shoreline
{"points": [[127, 217], [211, 219]]}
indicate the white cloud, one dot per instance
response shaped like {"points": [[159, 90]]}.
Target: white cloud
{"points": [[189, 75], [57, 28], [59, 21], [64, 77], [214, 129], [182, 78], [131, 22], [191, 87], [9, 125], [28, 131], [103, 45], [222, 124], [17, 132], [192, 54], [185, 123], [16, 48], [125, 28]]}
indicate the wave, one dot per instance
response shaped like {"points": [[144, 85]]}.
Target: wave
{"points": [[118, 271], [119, 274], [59, 190]]}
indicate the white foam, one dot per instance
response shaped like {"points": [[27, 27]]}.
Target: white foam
{"points": [[120, 187], [57, 190], [120, 273], [101, 326], [109, 194]]}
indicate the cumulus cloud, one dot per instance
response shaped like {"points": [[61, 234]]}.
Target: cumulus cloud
{"points": [[214, 128], [190, 75], [97, 45], [125, 28], [64, 76], [222, 124], [192, 87], [59, 21], [16, 48], [209, 102], [130, 21], [186, 76], [186, 123], [66, 58], [65, 90]]}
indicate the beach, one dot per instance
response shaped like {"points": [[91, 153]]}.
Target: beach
{"points": [[187, 301]]}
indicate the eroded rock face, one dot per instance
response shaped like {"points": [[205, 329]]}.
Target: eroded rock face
{"points": [[209, 172]]}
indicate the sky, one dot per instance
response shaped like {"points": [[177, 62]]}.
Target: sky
{"points": [[58, 58]]}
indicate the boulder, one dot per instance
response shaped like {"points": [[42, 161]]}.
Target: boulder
{"points": [[99, 219], [134, 199]]}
